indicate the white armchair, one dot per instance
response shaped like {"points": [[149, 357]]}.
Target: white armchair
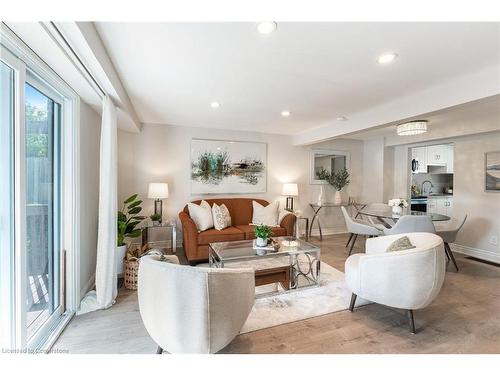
{"points": [[406, 279], [193, 309]]}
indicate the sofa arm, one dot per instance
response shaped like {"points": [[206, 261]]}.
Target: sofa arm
{"points": [[189, 234], [288, 222]]}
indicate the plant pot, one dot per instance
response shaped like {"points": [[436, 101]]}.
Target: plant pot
{"points": [[120, 254], [261, 241], [397, 210], [337, 199]]}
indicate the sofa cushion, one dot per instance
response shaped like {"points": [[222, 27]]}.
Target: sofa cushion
{"points": [[249, 231], [201, 215], [267, 215], [222, 218], [240, 209], [214, 235]]}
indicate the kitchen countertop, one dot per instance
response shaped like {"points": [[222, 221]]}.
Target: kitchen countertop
{"points": [[432, 195]]}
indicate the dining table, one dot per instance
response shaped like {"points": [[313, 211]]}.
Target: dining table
{"points": [[388, 218]]}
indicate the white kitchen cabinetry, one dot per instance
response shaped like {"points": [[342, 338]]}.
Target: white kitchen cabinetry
{"points": [[440, 205], [449, 159], [437, 155], [420, 155]]}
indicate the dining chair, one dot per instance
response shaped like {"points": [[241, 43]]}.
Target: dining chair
{"points": [[358, 227], [448, 232], [412, 224]]}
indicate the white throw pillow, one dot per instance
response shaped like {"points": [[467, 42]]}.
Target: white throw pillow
{"points": [[265, 215], [201, 215], [221, 216]]}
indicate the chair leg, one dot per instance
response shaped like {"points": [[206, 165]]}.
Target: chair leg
{"points": [[411, 321], [348, 241], [352, 243], [353, 302], [450, 254], [159, 350]]}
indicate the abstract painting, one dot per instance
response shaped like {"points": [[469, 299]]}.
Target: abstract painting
{"points": [[225, 167], [493, 171]]}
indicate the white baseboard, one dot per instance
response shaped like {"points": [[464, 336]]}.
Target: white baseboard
{"points": [[476, 253]]}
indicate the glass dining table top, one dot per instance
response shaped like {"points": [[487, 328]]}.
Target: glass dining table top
{"points": [[386, 213]]}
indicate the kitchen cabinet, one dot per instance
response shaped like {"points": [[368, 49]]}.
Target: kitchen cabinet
{"points": [[440, 205], [437, 155], [449, 159], [419, 154]]}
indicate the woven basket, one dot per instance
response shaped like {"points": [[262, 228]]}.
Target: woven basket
{"points": [[130, 269]]}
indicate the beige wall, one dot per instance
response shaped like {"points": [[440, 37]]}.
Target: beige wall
{"points": [[162, 153], [90, 125]]}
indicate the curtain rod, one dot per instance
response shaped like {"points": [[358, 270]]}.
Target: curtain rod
{"points": [[101, 92]]}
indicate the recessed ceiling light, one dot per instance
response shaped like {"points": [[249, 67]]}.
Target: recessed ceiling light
{"points": [[215, 105], [341, 118], [387, 58], [267, 27], [285, 113]]}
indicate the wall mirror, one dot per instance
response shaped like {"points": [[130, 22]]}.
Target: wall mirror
{"points": [[331, 160]]}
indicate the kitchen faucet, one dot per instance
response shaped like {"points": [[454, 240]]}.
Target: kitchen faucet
{"points": [[430, 188]]}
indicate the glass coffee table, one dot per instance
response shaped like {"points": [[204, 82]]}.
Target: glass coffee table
{"points": [[296, 264]]}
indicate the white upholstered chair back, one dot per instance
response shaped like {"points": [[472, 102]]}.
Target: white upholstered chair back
{"points": [[412, 223], [406, 279], [193, 309]]}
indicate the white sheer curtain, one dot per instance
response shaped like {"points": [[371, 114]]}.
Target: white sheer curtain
{"points": [[105, 293]]}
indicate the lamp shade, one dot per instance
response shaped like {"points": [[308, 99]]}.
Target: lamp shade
{"points": [[290, 190], [158, 190]]}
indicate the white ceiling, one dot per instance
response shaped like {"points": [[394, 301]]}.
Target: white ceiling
{"points": [[318, 71]]}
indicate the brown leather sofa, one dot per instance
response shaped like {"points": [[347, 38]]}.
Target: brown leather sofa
{"points": [[241, 210]]}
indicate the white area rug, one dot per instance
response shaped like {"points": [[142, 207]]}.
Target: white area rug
{"points": [[332, 295]]}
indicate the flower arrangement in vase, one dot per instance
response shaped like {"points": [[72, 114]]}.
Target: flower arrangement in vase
{"points": [[397, 205], [338, 180]]}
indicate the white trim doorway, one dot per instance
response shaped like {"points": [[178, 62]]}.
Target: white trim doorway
{"points": [[28, 67]]}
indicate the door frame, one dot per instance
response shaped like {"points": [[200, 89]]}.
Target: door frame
{"points": [[20, 57]]}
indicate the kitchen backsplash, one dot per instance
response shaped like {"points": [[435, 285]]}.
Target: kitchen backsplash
{"points": [[440, 181]]}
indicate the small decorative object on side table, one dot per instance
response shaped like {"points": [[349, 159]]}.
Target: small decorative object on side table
{"points": [[170, 225]]}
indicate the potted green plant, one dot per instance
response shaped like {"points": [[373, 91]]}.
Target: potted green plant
{"points": [[127, 220], [155, 218], [262, 234], [338, 180]]}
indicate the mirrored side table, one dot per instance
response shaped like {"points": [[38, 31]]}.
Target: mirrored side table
{"points": [[169, 226]]}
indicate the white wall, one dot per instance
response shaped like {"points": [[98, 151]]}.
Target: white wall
{"points": [[90, 125], [162, 153]]}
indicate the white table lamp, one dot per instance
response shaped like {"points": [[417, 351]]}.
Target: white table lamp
{"points": [[290, 191], [158, 191]]}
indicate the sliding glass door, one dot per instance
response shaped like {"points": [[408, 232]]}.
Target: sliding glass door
{"points": [[31, 235], [43, 250], [7, 109]]}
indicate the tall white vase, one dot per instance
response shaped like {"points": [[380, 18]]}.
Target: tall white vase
{"points": [[321, 196], [337, 199]]}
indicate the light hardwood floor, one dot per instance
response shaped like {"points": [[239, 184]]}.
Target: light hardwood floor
{"points": [[465, 318]]}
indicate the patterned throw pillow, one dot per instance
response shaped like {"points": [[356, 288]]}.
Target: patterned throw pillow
{"points": [[221, 216], [402, 243]]}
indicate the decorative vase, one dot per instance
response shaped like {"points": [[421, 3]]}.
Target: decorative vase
{"points": [[397, 210], [321, 197], [120, 254], [337, 199], [261, 241]]}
